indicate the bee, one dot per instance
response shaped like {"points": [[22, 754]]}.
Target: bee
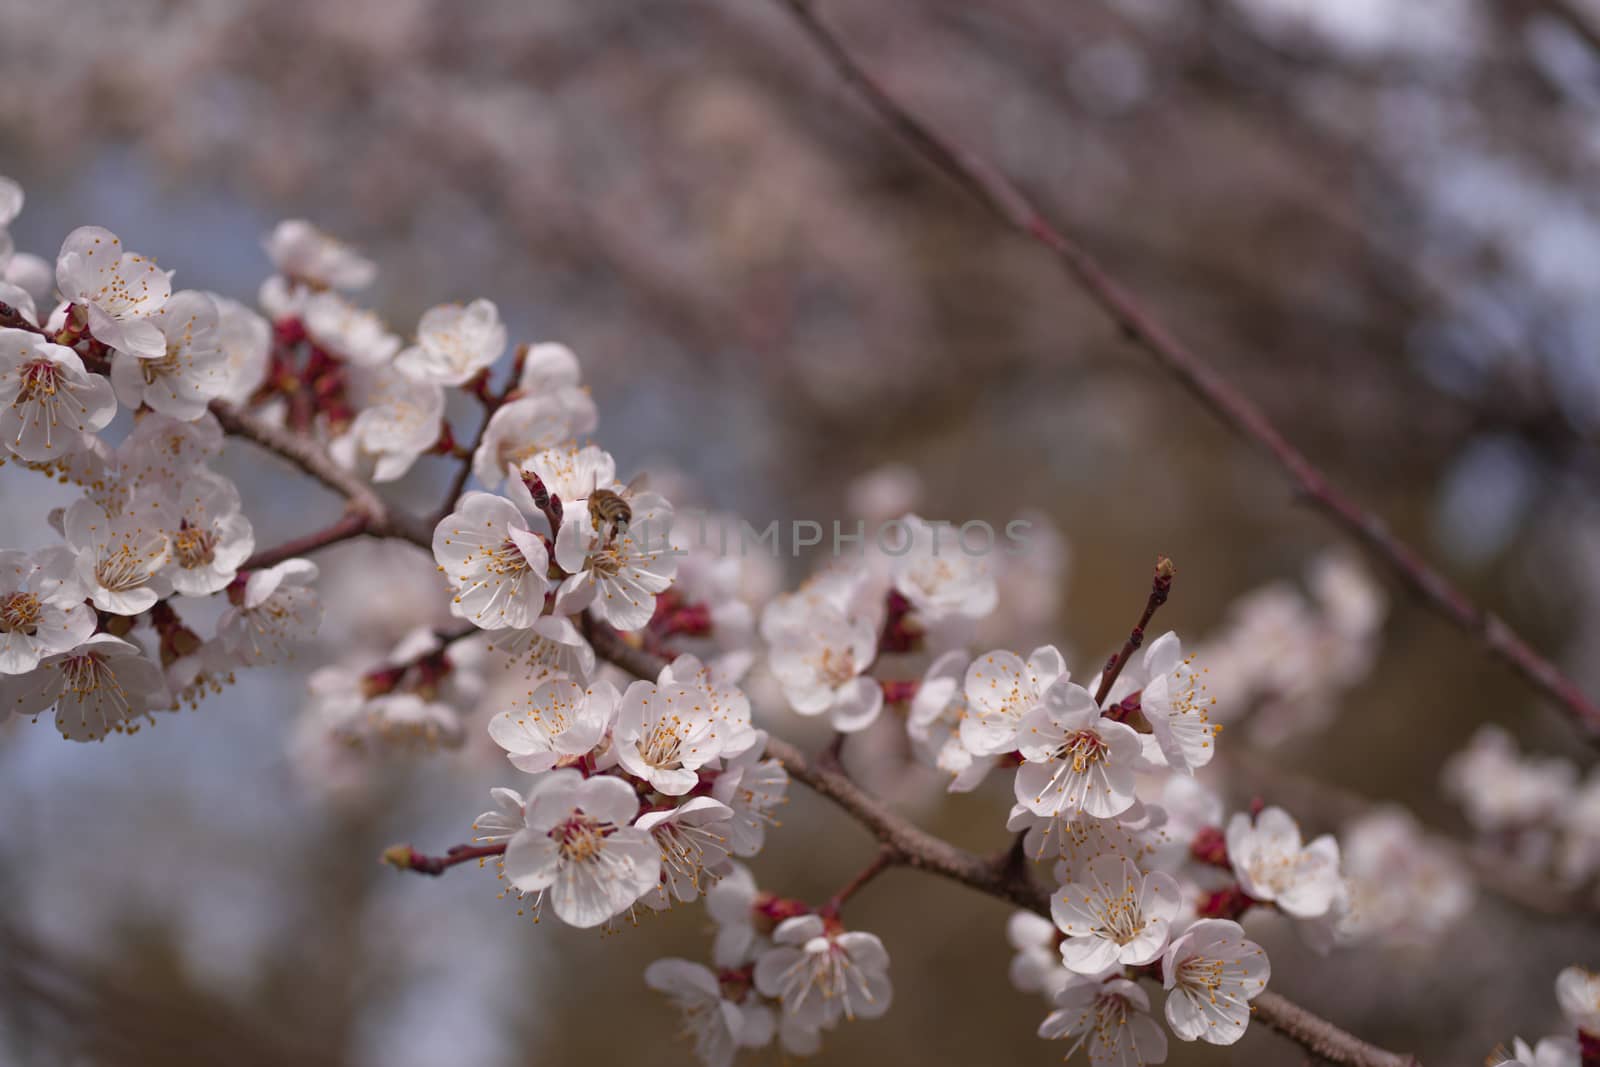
{"points": [[611, 509]]}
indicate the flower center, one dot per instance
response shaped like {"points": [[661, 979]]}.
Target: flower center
{"points": [[1083, 748], [836, 667], [87, 675], [121, 569], [829, 973], [20, 613], [154, 369], [1198, 972], [505, 559], [581, 838], [606, 562], [194, 546], [1120, 918], [662, 745], [40, 381]]}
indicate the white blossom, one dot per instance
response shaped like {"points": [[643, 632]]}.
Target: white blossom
{"points": [[100, 687], [350, 333], [716, 1026], [1272, 866], [1077, 760], [731, 903], [245, 339], [1112, 1018], [117, 291], [1115, 916], [120, 560], [727, 702], [48, 402], [613, 572], [557, 720], [1550, 1052], [208, 535], [41, 608], [1074, 841], [400, 421], [939, 576], [527, 426], [401, 721], [572, 473], [693, 838], [278, 607], [666, 731], [1211, 974], [454, 343], [189, 372], [504, 821], [308, 256], [753, 786], [578, 845], [821, 662], [1404, 888], [1036, 967], [494, 561], [934, 723], [823, 975], [1000, 690], [1174, 703], [1578, 993], [552, 647], [1502, 791]]}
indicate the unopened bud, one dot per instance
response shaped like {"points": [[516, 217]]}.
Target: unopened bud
{"points": [[397, 856]]}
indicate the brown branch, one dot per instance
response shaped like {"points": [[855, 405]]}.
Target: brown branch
{"points": [[1001, 877], [1575, 20], [305, 454], [352, 524], [993, 189]]}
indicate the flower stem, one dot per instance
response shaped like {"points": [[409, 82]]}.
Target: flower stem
{"points": [[1160, 586], [887, 857]]}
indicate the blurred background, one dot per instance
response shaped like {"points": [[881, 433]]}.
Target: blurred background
{"points": [[1377, 217]]}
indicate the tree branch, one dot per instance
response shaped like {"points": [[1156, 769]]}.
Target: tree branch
{"points": [[1000, 195], [352, 524], [305, 454]]}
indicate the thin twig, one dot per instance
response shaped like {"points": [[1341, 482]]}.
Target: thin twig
{"points": [[1160, 586], [406, 858], [887, 857], [979, 179], [491, 402]]}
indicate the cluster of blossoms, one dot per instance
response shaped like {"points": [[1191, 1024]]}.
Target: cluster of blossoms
{"points": [[90, 627], [1152, 881], [643, 793], [1403, 888], [1284, 659], [784, 972], [1578, 992], [1532, 811]]}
